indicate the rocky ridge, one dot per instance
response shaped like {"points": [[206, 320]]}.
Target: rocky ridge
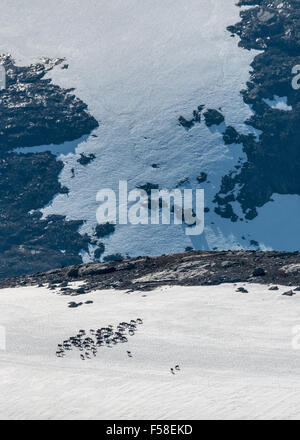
{"points": [[185, 269], [273, 158]]}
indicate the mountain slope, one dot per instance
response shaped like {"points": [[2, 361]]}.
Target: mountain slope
{"points": [[231, 349]]}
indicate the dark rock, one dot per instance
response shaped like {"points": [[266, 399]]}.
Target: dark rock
{"points": [[273, 159], [73, 273], [104, 230], [185, 123], [56, 281], [74, 305], [36, 112], [114, 257], [96, 269], [230, 136], [242, 290], [202, 178], [213, 117], [85, 160], [55, 114], [126, 266], [188, 124], [259, 272], [226, 210], [289, 293], [186, 269]]}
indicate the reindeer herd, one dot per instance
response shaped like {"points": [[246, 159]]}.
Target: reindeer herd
{"points": [[88, 343]]}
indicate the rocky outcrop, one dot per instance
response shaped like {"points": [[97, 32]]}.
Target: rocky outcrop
{"points": [[29, 243], [202, 177], [231, 136], [188, 124], [213, 117], [86, 159], [186, 269], [104, 230], [273, 159], [36, 112]]}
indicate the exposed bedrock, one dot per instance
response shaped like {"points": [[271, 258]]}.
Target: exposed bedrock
{"points": [[273, 159], [186, 269], [36, 112]]}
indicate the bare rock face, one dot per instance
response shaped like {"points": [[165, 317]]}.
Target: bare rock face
{"points": [[95, 269], [213, 117], [291, 269], [36, 112], [259, 272], [231, 136], [186, 269], [273, 160]]}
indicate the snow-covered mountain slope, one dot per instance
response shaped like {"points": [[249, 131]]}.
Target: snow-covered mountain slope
{"points": [[237, 354], [140, 66]]}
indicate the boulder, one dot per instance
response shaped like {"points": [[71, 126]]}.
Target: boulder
{"points": [[213, 117], [259, 272]]}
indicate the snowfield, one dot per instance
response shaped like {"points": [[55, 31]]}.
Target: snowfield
{"points": [[140, 65], [235, 351]]}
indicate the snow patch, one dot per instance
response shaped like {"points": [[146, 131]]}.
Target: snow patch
{"points": [[279, 103]]}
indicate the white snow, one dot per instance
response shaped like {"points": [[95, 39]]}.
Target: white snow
{"points": [[279, 103], [139, 66], [237, 352]]}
